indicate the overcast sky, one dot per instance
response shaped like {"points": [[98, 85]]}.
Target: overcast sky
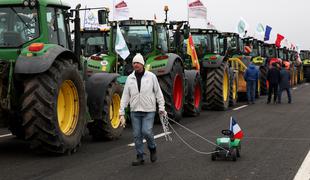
{"points": [[287, 17]]}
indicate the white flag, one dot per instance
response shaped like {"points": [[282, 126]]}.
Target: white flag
{"points": [[197, 10], [121, 11], [242, 27], [120, 44], [260, 29]]}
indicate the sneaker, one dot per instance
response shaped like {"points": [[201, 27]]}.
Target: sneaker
{"points": [[268, 102], [253, 102]]}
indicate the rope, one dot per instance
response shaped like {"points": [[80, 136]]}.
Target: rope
{"points": [[165, 123]]}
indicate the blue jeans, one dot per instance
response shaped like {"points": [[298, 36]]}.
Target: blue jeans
{"points": [[250, 90], [289, 96], [142, 126]]}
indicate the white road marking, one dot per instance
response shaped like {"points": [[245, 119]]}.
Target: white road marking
{"points": [[5, 135], [304, 170], [307, 84], [240, 107], [155, 137], [294, 88]]}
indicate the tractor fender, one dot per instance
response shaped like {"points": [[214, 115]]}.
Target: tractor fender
{"points": [[38, 64], [213, 64], [166, 70], [96, 86]]}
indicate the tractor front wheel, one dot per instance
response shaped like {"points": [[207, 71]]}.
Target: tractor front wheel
{"points": [[53, 108], [172, 86], [108, 128]]}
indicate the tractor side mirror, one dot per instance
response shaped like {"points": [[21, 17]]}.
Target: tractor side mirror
{"points": [[186, 31], [103, 16], [170, 27]]}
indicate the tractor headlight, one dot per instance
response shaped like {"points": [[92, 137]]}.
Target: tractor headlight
{"points": [[26, 3], [33, 3]]}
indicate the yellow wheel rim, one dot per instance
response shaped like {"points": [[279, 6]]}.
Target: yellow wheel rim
{"points": [[67, 107], [234, 95], [114, 110], [225, 86]]}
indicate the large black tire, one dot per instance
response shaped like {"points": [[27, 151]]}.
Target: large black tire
{"points": [[217, 88], [108, 128], [46, 101], [263, 80], [192, 106], [307, 73], [168, 86], [233, 89]]}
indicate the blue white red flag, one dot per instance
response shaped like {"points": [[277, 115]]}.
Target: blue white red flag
{"points": [[235, 128]]}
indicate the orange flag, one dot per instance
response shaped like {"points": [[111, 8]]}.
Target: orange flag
{"points": [[192, 52]]}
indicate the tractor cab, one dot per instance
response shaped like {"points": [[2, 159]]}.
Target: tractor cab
{"points": [[209, 48]]}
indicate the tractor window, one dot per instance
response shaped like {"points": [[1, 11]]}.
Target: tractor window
{"points": [[200, 42], [18, 25], [162, 38], [138, 38], [56, 27]]}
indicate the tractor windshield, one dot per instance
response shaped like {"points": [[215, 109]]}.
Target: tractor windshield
{"points": [[201, 44], [271, 52], [94, 42], [138, 38], [18, 25]]}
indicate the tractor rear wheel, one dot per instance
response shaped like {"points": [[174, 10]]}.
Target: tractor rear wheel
{"points": [[108, 128], [172, 86], [192, 106], [53, 108], [217, 88], [307, 73], [263, 80]]}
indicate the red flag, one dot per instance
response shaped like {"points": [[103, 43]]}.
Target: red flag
{"points": [[192, 52], [279, 39]]}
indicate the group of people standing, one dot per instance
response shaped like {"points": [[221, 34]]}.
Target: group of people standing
{"points": [[278, 78]]}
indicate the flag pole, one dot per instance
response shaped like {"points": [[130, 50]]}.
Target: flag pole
{"points": [[187, 11], [84, 16], [113, 9]]}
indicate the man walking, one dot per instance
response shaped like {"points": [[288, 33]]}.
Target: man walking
{"points": [[142, 91], [251, 77], [273, 76], [285, 84]]}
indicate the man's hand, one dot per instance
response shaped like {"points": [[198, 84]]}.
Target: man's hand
{"points": [[122, 121], [162, 113]]}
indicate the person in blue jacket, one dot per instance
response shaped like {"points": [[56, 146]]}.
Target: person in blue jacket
{"points": [[285, 84], [251, 77]]}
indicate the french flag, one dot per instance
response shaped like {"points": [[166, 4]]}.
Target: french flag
{"points": [[235, 128]]}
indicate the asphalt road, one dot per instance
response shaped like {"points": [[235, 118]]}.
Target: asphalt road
{"points": [[276, 141]]}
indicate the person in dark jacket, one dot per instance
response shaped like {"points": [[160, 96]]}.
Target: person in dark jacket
{"points": [[273, 76], [285, 84], [251, 77]]}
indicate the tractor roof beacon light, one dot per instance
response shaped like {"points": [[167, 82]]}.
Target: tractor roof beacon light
{"points": [[166, 9]]}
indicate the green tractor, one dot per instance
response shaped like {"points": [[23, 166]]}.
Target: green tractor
{"points": [[305, 57], [215, 70], [151, 40], [43, 98], [179, 42]]}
